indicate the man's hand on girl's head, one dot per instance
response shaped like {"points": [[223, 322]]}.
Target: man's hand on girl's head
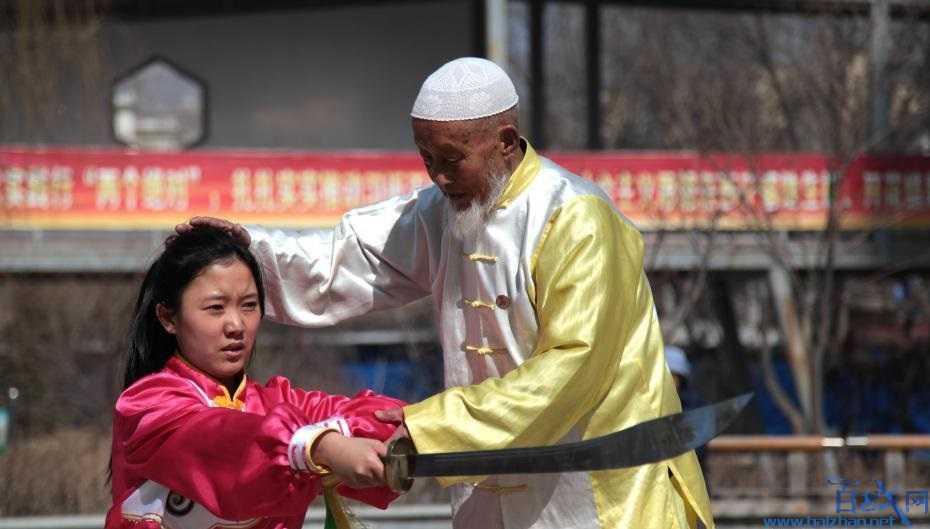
{"points": [[239, 233]]}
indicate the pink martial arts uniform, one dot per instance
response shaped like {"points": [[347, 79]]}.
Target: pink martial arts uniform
{"points": [[186, 455]]}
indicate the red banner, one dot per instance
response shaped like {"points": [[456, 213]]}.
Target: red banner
{"points": [[112, 189]]}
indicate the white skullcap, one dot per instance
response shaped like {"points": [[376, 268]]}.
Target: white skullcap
{"points": [[466, 88], [677, 361]]}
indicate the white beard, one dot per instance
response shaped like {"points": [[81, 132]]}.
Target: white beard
{"points": [[466, 224]]}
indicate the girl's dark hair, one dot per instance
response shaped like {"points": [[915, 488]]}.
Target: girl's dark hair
{"points": [[184, 258]]}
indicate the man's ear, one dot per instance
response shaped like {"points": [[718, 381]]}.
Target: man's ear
{"points": [[509, 139], [166, 318]]}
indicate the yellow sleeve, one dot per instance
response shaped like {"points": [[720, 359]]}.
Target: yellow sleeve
{"points": [[589, 282]]}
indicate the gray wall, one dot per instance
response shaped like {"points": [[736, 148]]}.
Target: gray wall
{"points": [[320, 78]]}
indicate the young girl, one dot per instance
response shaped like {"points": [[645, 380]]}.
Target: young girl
{"points": [[196, 445]]}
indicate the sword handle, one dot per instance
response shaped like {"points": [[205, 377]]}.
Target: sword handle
{"points": [[397, 464]]}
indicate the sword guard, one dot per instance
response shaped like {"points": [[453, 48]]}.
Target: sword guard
{"points": [[397, 464]]}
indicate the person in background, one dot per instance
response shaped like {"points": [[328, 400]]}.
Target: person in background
{"points": [[680, 368]]}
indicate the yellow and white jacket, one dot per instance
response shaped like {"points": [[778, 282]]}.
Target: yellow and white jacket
{"points": [[549, 334]]}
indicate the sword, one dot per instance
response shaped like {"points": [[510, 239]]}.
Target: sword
{"points": [[646, 442]]}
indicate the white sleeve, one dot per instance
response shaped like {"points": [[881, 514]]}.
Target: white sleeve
{"points": [[379, 256]]}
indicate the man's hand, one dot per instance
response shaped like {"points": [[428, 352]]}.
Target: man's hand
{"points": [[394, 416], [356, 460], [236, 230]]}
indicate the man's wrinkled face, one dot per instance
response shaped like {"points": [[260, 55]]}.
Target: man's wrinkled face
{"points": [[460, 157]]}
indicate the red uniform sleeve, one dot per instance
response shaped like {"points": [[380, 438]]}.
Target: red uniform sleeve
{"points": [[233, 463], [358, 411]]}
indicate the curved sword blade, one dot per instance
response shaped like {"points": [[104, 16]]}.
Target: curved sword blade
{"points": [[647, 442]]}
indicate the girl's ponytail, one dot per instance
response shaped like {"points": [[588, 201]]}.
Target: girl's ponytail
{"points": [[149, 344]]}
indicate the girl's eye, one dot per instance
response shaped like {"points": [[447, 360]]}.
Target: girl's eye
{"points": [[251, 305], [214, 308]]}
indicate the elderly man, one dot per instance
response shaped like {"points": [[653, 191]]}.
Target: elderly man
{"points": [[546, 318]]}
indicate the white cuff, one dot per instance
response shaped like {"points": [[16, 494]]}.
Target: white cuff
{"points": [[298, 450], [336, 423]]}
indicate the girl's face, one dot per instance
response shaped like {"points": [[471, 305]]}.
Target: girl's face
{"points": [[217, 320]]}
